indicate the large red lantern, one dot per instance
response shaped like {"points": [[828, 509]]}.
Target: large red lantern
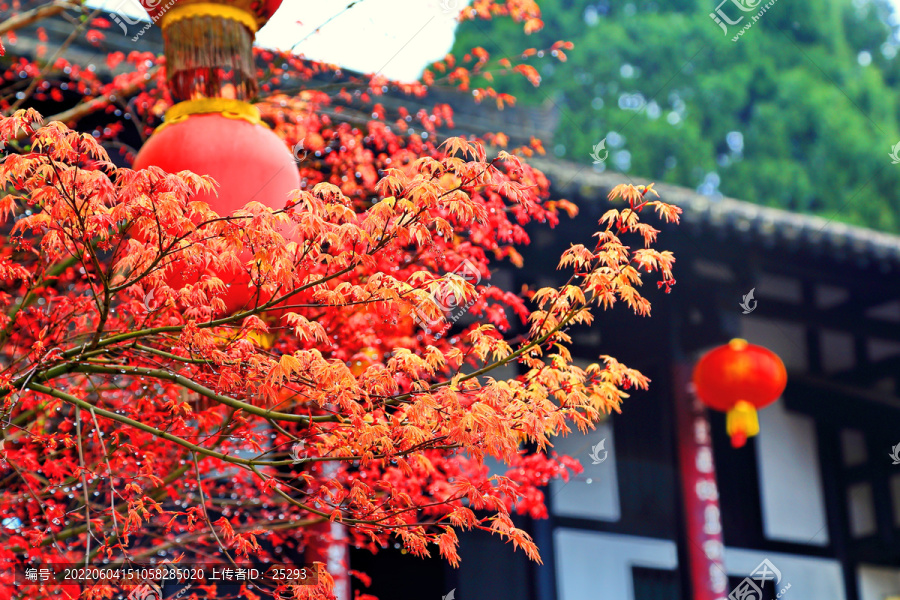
{"points": [[739, 378], [214, 130], [247, 160]]}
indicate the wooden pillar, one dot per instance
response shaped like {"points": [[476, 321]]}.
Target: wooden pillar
{"points": [[332, 548]]}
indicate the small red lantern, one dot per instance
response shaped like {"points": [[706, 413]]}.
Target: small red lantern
{"points": [[739, 378]]}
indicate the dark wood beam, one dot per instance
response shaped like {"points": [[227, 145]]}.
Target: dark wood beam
{"points": [[861, 300], [867, 283], [842, 405], [808, 315], [813, 333], [870, 372]]}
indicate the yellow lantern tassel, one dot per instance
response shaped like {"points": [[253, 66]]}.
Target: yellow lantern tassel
{"points": [[741, 422]]}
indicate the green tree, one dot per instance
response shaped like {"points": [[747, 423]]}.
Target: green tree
{"points": [[798, 113]]}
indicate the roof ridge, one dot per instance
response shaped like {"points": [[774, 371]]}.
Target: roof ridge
{"points": [[738, 214]]}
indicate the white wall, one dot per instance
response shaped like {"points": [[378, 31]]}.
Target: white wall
{"points": [[597, 566], [790, 482], [810, 577], [594, 494]]}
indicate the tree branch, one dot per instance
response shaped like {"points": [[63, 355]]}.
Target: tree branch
{"points": [[36, 14]]}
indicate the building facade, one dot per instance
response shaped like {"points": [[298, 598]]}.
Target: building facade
{"points": [[814, 499], [816, 493]]}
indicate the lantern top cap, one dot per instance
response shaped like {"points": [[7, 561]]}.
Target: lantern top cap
{"points": [[258, 12], [738, 344], [210, 9]]}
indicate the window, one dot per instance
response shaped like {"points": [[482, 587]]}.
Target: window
{"points": [[601, 565], [862, 509], [594, 493], [853, 446], [655, 584]]}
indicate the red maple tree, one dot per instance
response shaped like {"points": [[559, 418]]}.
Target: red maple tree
{"points": [[139, 419]]}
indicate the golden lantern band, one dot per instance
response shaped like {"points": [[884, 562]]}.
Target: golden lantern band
{"points": [[259, 10], [227, 107], [209, 9]]}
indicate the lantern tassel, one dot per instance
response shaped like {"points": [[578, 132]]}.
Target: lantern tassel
{"points": [[741, 422], [209, 57]]}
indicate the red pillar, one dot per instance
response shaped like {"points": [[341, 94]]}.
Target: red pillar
{"points": [[703, 523]]}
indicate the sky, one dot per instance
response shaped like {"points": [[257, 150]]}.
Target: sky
{"points": [[396, 38]]}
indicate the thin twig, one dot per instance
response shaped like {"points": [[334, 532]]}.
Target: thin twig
{"points": [[87, 502], [112, 482], [32, 16], [206, 514]]}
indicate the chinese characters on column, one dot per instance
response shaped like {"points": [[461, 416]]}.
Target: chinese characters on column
{"points": [[701, 496]]}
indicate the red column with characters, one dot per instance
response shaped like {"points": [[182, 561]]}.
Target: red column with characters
{"points": [[703, 523]]}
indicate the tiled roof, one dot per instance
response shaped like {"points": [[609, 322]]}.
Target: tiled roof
{"points": [[773, 225]]}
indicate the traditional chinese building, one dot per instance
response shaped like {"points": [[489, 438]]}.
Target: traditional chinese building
{"points": [[816, 493], [666, 508]]}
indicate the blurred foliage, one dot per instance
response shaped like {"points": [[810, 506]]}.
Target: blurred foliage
{"points": [[799, 113]]}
